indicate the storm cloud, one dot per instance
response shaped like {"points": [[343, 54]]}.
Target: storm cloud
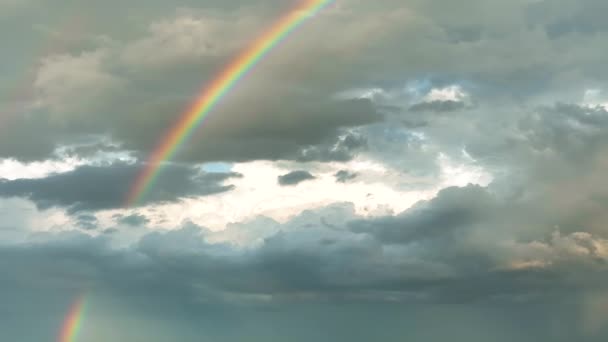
{"points": [[106, 187]]}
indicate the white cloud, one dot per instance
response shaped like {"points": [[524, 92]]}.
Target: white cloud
{"points": [[377, 190], [594, 98], [414, 92], [461, 174], [64, 161], [450, 93], [12, 169], [21, 219]]}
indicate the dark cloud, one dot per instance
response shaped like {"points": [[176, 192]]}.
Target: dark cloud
{"points": [[451, 209], [447, 251], [105, 187], [181, 266], [87, 221], [295, 177], [342, 148], [439, 106], [344, 176], [571, 131], [134, 220], [561, 18]]}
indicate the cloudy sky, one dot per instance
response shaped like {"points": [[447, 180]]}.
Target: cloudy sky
{"points": [[420, 170]]}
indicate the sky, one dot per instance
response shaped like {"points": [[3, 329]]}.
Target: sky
{"points": [[394, 170]]}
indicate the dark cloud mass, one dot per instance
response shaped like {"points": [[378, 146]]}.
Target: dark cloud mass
{"points": [[106, 187], [295, 177], [179, 274]]}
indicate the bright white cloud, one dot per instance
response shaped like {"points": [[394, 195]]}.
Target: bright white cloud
{"points": [[450, 93], [12, 169], [64, 161], [595, 97], [377, 190], [414, 91]]}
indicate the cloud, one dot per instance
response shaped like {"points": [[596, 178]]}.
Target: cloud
{"points": [[105, 187], [315, 254], [460, 248], [263, 119], [438, 106], [344, 176], [60, 77], [186, 38], [563, 18], [453, 208], [134, 220], [276, 113], [426, 97], [295, 177], [87, 221]]}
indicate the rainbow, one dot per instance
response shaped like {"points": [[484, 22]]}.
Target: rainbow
{"points": [[215, 91], [72, 322]]}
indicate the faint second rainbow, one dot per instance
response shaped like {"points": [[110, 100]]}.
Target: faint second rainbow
{"points": [[72, 321], [213, 93]]}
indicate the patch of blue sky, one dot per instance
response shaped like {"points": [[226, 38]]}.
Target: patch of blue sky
{"points": [[217, 167]]}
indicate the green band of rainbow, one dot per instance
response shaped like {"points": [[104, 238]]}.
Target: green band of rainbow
{"points": [[72, 322], [212, 94]]}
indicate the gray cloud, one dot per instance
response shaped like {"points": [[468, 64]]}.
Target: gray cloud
{"points": [[342, 148], [315, 260], [453, 208], [295, 177], [298, 114], [134, 220], [344, 176], [561, 18], [453, 250], [438, 106], [87, 221], [105, 187]]}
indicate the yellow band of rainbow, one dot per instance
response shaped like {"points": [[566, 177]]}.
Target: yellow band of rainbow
{"points": [[212, 94]]}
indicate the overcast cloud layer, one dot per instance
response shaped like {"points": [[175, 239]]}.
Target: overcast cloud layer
{"points": [[419, 170]]}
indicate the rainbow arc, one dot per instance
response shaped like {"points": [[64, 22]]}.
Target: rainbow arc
{"points": [[191, 119]]}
